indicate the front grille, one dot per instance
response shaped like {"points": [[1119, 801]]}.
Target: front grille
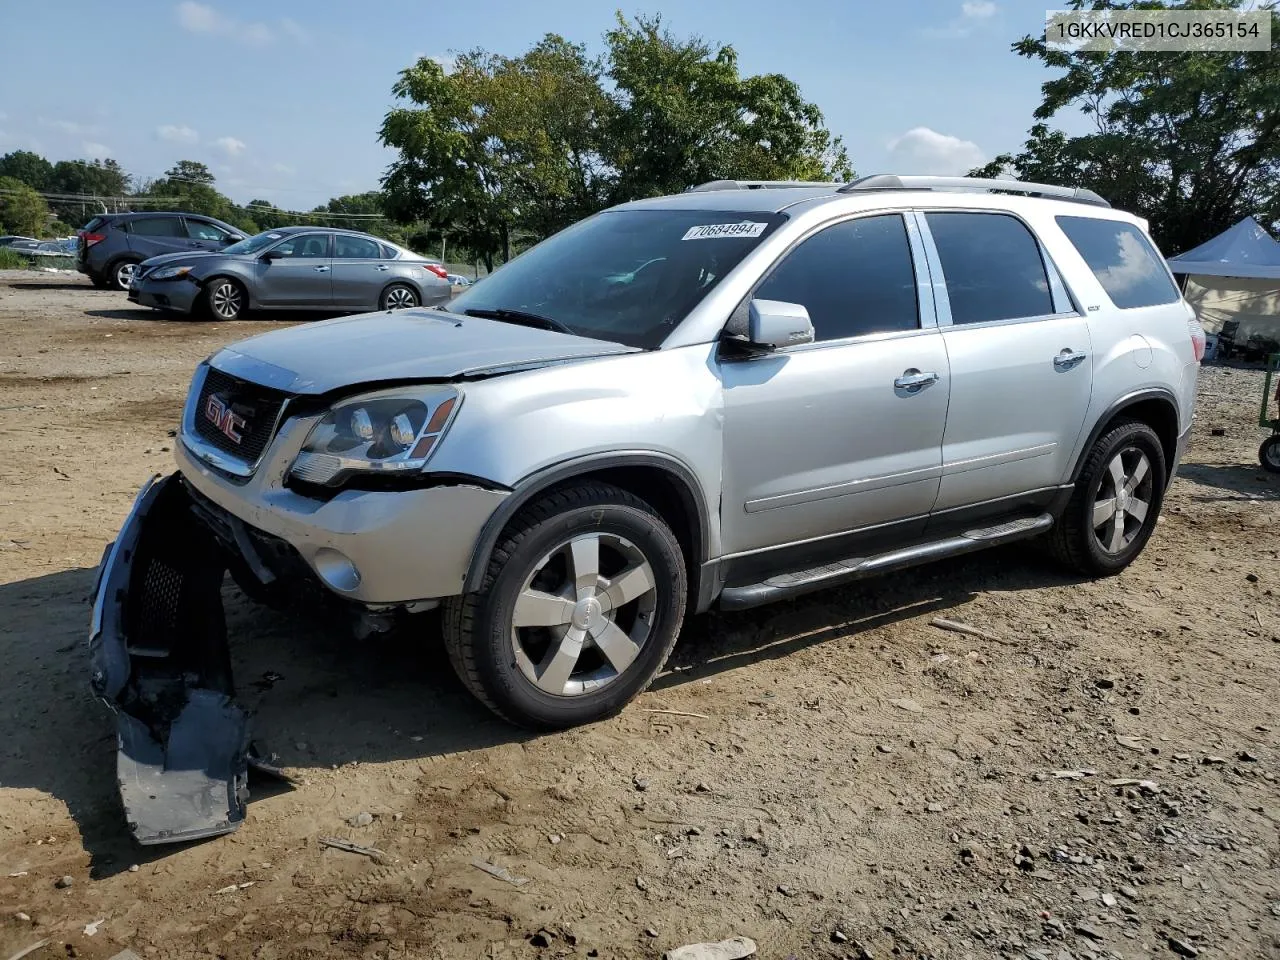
{"points": [[255, 408]]}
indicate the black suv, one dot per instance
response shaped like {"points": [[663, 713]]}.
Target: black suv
{"points": [[113, 244]]}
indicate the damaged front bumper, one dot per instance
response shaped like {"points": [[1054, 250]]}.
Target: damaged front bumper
{"points": [[159, 659]]}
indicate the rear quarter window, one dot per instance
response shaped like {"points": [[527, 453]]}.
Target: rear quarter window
{"points": [[1129, 268]]}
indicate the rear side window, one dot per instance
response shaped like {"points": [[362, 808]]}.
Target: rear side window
{"points": [[854, 278], [356, 248], [1123, 260], [309, 245], [156, 227], [93, 225], [992, 267]]}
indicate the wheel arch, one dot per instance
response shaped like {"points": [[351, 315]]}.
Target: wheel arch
{"points": [[398, 282], [251, 301], [1156, 407], [660, 480]]}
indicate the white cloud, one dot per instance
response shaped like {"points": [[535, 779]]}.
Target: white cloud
{"points": [[95, 151], [69, 127], [447, 61], [258, 34], [294, 30], [197, 18], [926, 151], [177, 134], [283, 168], [230, 146], [978, 9]]}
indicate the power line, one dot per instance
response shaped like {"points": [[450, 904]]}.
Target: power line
{"points": [[145, 200]]}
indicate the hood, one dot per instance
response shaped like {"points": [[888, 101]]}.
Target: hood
{"points": [[404, 345], [189, 256]]}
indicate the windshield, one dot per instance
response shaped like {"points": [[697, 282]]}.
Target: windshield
{"points": [[255, 243], [628, 276]]}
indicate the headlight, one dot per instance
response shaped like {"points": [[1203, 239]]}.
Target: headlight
{"points": [[170, 273], [387, 433]]}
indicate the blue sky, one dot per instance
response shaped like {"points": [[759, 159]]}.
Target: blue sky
{"points": [[284, 101]]}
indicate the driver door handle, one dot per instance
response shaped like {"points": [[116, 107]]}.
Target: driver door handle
{"points": [[913, 380], [1067, 359]]}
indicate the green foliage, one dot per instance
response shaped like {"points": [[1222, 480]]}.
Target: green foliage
{"points": [[1190, 141], [22, 210], [13, 261], [101, 178], [506, 149], [31, 168], [191, 170]]}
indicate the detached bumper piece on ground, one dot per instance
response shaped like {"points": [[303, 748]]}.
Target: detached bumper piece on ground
{"points": [[159, 659]]}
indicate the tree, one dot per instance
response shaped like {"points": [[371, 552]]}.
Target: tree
{"points": [[504, 149], [22, 210], [190, 170], [99, 178], [1190, 141], [31, 168], [684, 115]]}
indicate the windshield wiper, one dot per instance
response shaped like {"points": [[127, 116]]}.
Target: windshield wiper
{"points": [[521, 317]]}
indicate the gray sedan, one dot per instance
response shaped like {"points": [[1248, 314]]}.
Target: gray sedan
{"points": [[293, 268]]}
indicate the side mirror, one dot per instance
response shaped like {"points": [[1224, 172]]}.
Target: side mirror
{"points": [[233, 238], [774, 324], [272, 255]]}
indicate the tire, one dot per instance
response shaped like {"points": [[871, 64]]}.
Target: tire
{"points": [[1269, 453], [224, 299], [120, 273], [399, 296], [534, 676], [99, 283], [1085, 537]]}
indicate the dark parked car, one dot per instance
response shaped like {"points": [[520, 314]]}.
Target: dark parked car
{"points": [[293, 268], [10, 240], [112, 245]]}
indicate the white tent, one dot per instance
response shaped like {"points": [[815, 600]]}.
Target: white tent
{"points": [[1235, 277]]}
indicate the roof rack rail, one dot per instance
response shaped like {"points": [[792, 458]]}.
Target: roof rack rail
{"points": [[757, 185], [884, 181]]}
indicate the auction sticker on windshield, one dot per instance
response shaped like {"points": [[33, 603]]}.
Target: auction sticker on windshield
{"points": [[715, 231]]}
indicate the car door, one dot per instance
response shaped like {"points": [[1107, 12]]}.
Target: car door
{"points": [[158, 235], [203, 235], [360, 271], [842, 435], [1021, 373], [297, 272]]}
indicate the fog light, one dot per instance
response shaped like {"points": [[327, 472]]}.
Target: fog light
{"points": [[336, 570]]}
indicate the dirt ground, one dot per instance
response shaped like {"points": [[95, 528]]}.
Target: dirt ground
{"points": [[831, 777]]}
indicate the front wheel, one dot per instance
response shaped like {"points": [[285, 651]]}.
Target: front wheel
{"points": [[399, 296], [1269, 453], [1113, 510], [224, 299], [120, 274], [577, 613]]}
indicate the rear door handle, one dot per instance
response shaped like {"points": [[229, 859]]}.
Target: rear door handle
{"points": [[1067, 359], [383, 267], [322, 269], [914, 380]]}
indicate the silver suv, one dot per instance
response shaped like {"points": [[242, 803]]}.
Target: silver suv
{"points": [[732, 396]]}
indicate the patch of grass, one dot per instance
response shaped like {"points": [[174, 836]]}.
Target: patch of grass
{"points": [[13, 261]]}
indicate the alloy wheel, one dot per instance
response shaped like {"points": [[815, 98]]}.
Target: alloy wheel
{"points": [[583, 614], [124, 274], [400, 298], [225, 300], [1123, 500]]}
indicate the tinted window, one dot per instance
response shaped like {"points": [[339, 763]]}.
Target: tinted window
{"points": [[92, 225], [853, 278], [389, 253], [157, 227], [992, 267], [308, 245], [356, 248], [629, 276], [1123, 260], [199, 230]]}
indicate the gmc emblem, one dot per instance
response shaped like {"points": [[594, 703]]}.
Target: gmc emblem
{"points": [[217, 412]]}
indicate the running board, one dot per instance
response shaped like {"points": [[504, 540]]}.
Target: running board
{"points": [[787, 585]]}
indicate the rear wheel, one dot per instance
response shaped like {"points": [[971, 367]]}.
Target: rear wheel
{"points": [[120, 274], [577, 613], [1113, 510], [399, 296], [224, 299], [1269, 453]]}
